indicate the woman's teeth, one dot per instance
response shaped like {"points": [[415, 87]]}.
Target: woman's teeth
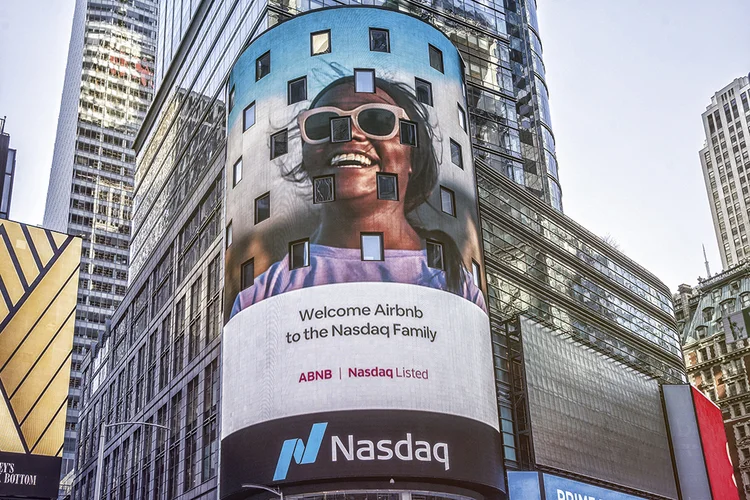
{"points": [[350, 160]]}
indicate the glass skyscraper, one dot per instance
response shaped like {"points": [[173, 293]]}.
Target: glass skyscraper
{"points": [[109, 83]]}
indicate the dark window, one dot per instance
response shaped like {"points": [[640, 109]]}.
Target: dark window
{"points": [[229, 234], [462, 118], [387, 186], [364, 80], [297, 90], [248, 274], [278, 144], [372, 246], [323, 189], [263, 65], [408, 133], [237, 172], [341, 129], [299, 254], [380, 40], [456, 157], [436, 58], [262, 208], [435, 254], [475, 274], [248, 117], [320, 43], [231, 98], [447, 201], [424, 91]]}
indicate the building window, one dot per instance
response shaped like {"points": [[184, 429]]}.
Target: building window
{"points": [[462, 117], [228, 234], [247, 276], [436, 58], [341, 129], [278, 144], [324, 189], [248, 117], [447, 201], [408, 132], [262, 208], [320, 43], [424, 91], [237, 172], [364, 80], [380, 40], [475, 274], [456, 157], [230, 99], [263, 66], [372, 246], [387, 186], [297, 90], [299, 254], [435, 254]]}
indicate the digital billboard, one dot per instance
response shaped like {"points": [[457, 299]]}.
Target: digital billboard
{"points": [[528, 485], [39, 283], [593, 416], [357, 338]]}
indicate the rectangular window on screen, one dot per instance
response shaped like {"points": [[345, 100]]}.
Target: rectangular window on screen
{"points": [[456, 157], [380, 40], [279, 144], [237, 172], [387, 186], [248, 117], [299, 254], [263, 66], [447, 201], [435, 254], [324, 189], [475, 274], [436, 58], [247, 275], [364, 80], [372, 246], [341, 129], [408, 132], [424, 91], [262, 208], [228, 235], [320, 43], [297, 90]]}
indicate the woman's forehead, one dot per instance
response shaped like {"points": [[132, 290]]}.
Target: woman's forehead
{"points": [[344, 97]]}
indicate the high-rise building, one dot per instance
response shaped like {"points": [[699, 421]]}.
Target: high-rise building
{"points": [[109, 84], [717, 355], [542, 275], [8, 165], [725, 160]]}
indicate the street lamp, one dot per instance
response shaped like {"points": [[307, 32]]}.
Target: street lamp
{"points": [[100, 459], [276, 491]]}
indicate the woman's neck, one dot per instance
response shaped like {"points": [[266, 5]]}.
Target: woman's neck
{"points": [[339, 229]]}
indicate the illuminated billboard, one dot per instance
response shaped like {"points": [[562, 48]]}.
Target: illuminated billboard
{"points": [[528, 485], [39, 283], [357, 338]]}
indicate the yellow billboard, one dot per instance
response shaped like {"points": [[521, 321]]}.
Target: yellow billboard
{"points": [[38, 288]]}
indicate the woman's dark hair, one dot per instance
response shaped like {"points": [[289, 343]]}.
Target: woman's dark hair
{"points": [[423, 177]]}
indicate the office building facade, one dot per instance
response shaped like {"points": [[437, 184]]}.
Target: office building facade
{"points": [[725, 159], [160, 360], [109, 83], [8, 164]]}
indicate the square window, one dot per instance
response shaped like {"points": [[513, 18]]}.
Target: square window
{"points": [[230, 99], [424, 91], [262, 208], [408, 132], [447, 201], [324, 189], [278, 144], [456, 157], [228, 235], [380, 40], [247, 276], [387, 187], [263, 66], [372, 246], [299, 254], [237, 172], [248, 117], [364, 80], [436, 58], [475, 274], [341, 129], [320, 43], [462, 117], [435, 254], [297, 90]]}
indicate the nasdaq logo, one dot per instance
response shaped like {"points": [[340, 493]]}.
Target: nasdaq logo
{"points": [[302, 453]]}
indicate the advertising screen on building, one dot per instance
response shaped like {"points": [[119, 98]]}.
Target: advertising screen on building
{"points": [[594, 416], [528, 485], [38, 282], [357, 338]]}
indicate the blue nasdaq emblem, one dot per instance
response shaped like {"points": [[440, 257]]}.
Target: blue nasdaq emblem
{"points": [[302, 454]]}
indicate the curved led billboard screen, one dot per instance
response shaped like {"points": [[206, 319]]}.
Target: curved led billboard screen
{"points": [[357, 340]]}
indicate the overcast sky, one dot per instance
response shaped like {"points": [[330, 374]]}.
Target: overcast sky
{"points": [[628, 81]]}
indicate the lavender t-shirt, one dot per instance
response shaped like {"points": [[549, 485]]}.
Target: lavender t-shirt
{"points": [[345, 265]]}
